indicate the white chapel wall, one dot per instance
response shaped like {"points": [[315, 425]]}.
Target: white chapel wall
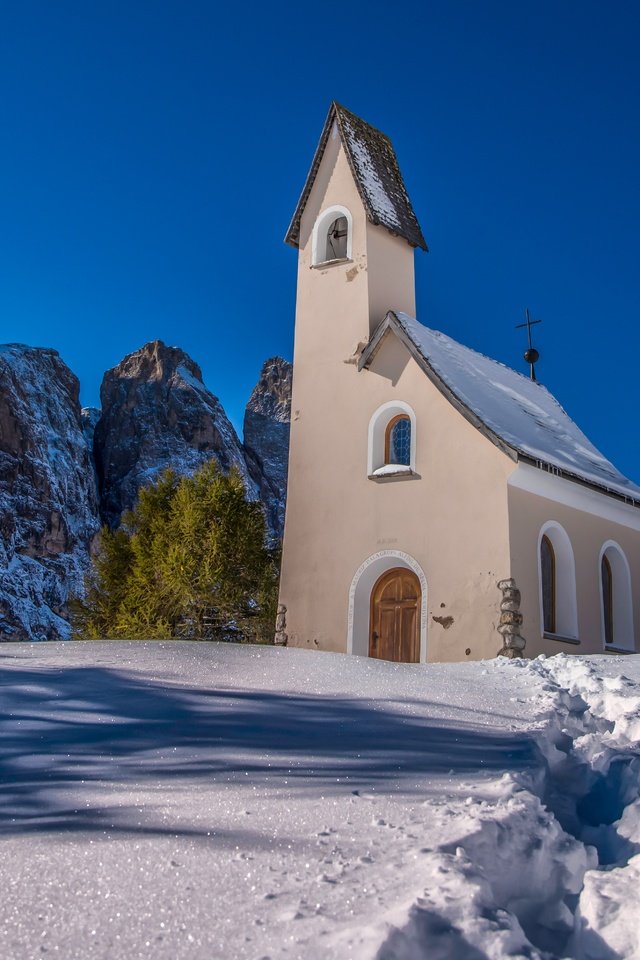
{"points": [[590, 520], [451, 518]]}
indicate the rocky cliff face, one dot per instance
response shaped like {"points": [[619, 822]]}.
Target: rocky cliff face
{"points": [[157, 413], [266, 437], [89, 418], [48, 498], [64, 471]]}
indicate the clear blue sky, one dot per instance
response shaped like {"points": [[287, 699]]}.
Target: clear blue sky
{"points": [[153, 152]]}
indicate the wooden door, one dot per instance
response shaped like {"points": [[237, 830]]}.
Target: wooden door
{"points": [[394, 625]]}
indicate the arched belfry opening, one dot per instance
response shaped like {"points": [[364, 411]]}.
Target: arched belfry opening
{"points": [[337, 236], [332, 236]]}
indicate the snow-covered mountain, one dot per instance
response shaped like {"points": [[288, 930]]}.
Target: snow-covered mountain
{"points": [[64, 472], [48, 496], [266, 436]]}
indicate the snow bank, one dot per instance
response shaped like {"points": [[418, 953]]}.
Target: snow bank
{"points": [[605, 774], [197, 800]]}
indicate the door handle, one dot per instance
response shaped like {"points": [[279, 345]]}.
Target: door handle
{"points": [[374, 637]]}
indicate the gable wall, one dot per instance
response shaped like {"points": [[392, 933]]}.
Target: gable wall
{"points": [[452, 519]]}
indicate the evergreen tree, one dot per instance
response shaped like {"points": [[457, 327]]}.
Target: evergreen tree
{"points": [[190, 560]]}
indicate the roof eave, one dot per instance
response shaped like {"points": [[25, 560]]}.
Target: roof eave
{"points": [[419, 244], [555, 471]]}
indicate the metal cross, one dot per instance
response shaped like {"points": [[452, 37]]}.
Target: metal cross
{"points": [[531, 355]]}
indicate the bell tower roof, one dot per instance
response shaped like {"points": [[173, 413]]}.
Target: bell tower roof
{"points": [[376, 173]]}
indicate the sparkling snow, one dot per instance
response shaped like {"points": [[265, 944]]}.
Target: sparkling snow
{"points": [[520, 411], [193, 800]]}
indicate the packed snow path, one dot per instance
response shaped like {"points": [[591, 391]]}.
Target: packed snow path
{"points": [[183, 800]]}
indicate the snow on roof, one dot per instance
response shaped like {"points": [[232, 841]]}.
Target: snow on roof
{"points": [[376, 173], [515, 410]]}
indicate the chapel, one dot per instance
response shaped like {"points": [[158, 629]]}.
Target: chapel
{"points": [[441, 506]]}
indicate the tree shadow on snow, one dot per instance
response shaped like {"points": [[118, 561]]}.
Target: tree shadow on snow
{"points": [[65, 733]]}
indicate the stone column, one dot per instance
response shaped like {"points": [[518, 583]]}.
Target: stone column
{"points": [[510, 620], [280, 639]]}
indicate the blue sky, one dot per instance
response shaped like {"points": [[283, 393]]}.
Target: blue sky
{"points": [[153, 153]]}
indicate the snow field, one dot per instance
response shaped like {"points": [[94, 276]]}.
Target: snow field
{"points": [[184, 800]]}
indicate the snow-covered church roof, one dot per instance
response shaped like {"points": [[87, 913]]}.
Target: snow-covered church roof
{"points": [[376, 173], [519, 415]]}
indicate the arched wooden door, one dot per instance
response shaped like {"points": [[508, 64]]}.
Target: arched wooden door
{"points": [[394, 624]]}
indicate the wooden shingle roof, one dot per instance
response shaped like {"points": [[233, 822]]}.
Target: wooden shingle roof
{"points": [[376, 173]]}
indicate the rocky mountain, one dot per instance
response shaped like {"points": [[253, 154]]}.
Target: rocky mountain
{"points": [[89, 417], [266, 437], [48, 496], [157, 413], [65, 471]]}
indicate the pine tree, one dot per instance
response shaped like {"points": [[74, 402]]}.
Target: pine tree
{"points": [[190, 560]]}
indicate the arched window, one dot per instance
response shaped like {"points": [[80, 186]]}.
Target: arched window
{"points": [[557, 579], [392, 441], [332, 236], [397, 440], [548, 578], [616, 598], [606, 575]]}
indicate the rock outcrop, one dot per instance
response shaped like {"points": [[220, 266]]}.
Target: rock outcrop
{"points": [[90, 417], [267, 421], [48, 497], [157, 413], [64, 471]]}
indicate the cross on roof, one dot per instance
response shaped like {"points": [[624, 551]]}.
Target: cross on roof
{"points": [[531, 355]]}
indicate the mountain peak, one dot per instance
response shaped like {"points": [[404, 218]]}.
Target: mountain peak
{"points": [[271, 396], [155, 361]]}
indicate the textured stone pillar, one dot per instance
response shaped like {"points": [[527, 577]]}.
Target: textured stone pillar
{"points": [[510, 620], [280, 639]]}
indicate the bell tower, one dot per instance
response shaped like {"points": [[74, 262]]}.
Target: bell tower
{"points": [[355, 231], [354, 227]]}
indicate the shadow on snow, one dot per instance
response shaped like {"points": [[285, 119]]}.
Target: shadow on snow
{"points": [[67, 733]]}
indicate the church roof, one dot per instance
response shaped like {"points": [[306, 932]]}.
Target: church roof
{"points": [[519, 415], [377, 175]]}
